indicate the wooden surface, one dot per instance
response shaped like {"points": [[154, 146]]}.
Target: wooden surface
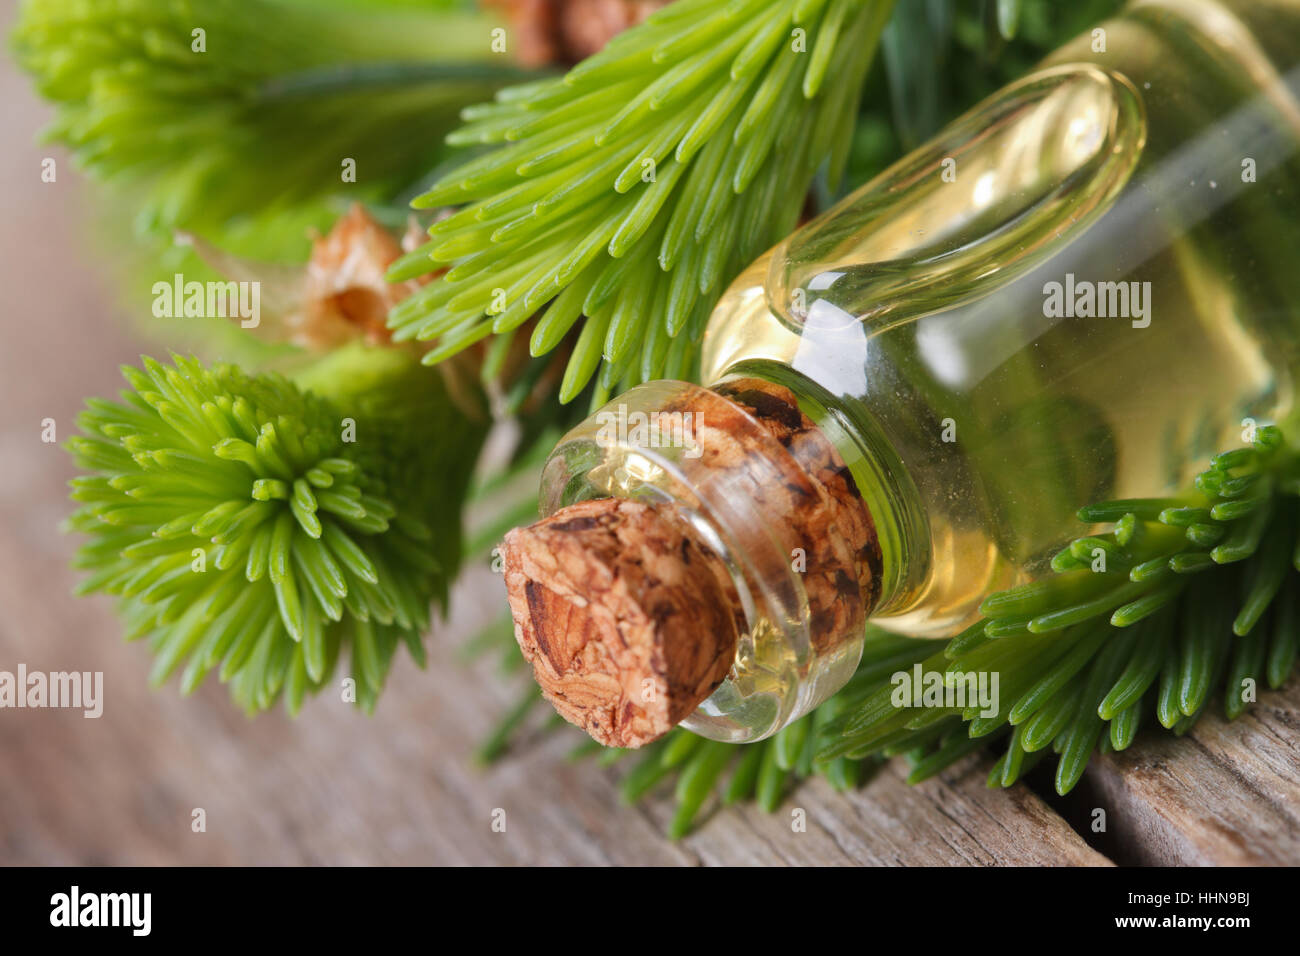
{"points": [[1228, 794], [336, 787]]}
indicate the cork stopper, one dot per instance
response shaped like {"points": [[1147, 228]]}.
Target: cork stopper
{"points": [[631, 621], [628, 620]]}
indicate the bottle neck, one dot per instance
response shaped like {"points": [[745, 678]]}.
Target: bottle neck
{"points": [[770, 494], [880, 479]]}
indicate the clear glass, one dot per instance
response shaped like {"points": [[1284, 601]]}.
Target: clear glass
{"points": [[1075, 292]]}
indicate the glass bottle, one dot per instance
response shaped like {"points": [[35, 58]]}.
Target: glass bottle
{"points": [[1076, 291]]}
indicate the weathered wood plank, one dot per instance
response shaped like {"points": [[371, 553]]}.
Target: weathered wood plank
{"points": [[953, 819], [335, 787], [1228, 793]]}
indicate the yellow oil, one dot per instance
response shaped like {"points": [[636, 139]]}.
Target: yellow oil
{"points": [[918, 322]]}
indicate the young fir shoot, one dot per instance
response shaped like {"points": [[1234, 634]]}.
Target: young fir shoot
{"points": [[253, 528], [632, 190], [1084, 656], [243, 108]]}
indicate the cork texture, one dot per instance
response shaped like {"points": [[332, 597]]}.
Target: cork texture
{"points": [[843, 521], [628, 621]]}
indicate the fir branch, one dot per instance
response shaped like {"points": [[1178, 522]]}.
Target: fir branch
{"points": [[258, 121], [685, 147], [941, 56], [244, 532]]}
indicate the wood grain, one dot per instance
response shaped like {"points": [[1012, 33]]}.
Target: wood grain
{"points": [[1226, 794]]}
